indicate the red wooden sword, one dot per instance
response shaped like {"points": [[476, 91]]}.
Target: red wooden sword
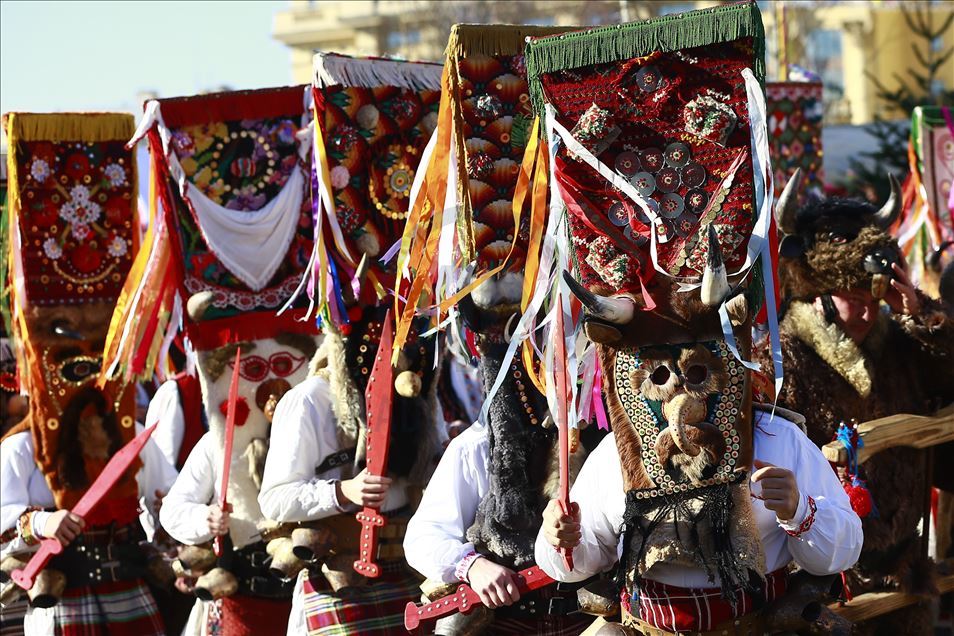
{"points": [[218, 542], [108, 477], [377, 398], [465, 599]]}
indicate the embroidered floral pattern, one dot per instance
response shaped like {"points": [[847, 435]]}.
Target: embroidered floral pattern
{"points": [[39, 170], [794, 111], [241, 164], [375, 139], [115, 174], [76, 199]]}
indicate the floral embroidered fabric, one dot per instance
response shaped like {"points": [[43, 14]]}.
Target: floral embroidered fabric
{"points": [[374, 139], [76, 219], [240, 160], [794, 111]]}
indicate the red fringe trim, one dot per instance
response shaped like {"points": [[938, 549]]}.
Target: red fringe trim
{"points": [[233, 105]]}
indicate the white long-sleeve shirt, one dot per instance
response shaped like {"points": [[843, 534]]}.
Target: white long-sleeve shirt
{"points": [[435, 541], [166, 409], [185, 510], [303, 436], [23, 485], [831, 545]]}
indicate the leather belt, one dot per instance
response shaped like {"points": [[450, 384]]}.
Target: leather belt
{"points": [[250, 567], [85, 564]]}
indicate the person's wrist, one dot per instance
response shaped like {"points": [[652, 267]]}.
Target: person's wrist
{"points": [[797, 515], [340, 499], [462, 571]]}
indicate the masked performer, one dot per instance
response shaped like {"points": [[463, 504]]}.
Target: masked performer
{"points": [[177, 408], [480, 513], [846, 359], [229, 243], [73, 234], [709, 498], [374, 118]]}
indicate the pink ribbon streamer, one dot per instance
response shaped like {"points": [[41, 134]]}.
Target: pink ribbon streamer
{"points": [[602, 421]]}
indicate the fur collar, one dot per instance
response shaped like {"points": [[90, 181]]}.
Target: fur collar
{"points": [[855, 364]]}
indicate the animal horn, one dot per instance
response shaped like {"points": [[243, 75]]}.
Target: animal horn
{"points": [[360, 274], [715, 281], [889, 212], [787, 203], [615, 310], [508, 332], [198, 304]]}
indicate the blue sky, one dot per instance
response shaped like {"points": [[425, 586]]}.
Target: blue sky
{"points": [[57, 56]]}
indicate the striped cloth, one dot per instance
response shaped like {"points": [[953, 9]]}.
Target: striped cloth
{"points": [[377, 609], [681, 609], [123, 608], [11, 618]]}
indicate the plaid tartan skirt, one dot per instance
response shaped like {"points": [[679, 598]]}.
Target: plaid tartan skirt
{"points": [[123, 608], [11, 617], [377, 609]]}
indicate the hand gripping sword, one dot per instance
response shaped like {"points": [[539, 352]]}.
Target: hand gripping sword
{"points": [[465, 599], [562, 395], [107, 478], [220, 543], [377, 398]]}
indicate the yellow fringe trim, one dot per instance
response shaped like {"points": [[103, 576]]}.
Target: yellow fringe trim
{"points": [[495, 39], [86, 127]]}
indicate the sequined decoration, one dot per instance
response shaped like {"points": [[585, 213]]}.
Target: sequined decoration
{"points": [[724, 416]]}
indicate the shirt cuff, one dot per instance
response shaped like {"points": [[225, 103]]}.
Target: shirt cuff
{"points": [[803, 519], [334, 496], [38, 523], [463, 566]]}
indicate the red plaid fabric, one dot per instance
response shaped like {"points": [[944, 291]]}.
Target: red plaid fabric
{"points": [[680, 609], [124, 608], [377, 609], [252, 616]]}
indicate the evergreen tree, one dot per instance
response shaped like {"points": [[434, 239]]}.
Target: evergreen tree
{"points": [[919, 89]]}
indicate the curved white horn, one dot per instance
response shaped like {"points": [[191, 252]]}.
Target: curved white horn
{"points": [[618, 311], [715, 280], [787, 203]]}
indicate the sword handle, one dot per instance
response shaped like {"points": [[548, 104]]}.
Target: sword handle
{"points": [[566, 553], [371, 521], [465, 598], [25, 577], [222, 544]]}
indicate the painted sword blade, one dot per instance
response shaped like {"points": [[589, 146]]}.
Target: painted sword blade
{"points": [[563, 427], [377, 398], [465, 599], [229, 437], [107, 478]]}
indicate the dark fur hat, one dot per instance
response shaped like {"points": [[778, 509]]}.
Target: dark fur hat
{"points": [[835, 244]]}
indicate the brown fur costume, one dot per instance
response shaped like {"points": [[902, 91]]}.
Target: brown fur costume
{"points": [[905, 365]]}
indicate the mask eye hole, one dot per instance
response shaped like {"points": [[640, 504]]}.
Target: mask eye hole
{"points": [[696, 374], [254, 368], [838, 238], [79, 370], [281, 364], [660, 375]]}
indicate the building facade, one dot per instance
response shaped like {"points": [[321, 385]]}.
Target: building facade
{"points": [[843, 42]]}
